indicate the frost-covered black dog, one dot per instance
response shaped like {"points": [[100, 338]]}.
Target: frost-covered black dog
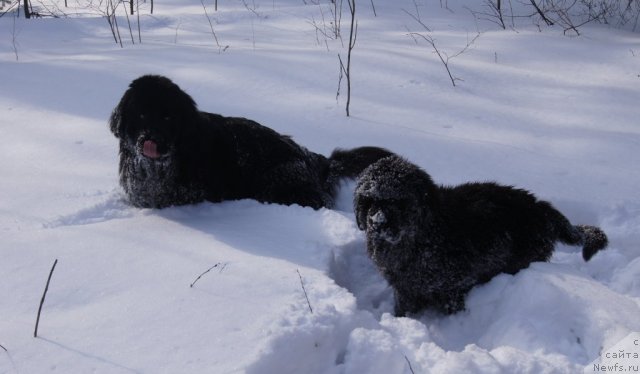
{"points": [[171, 154], [433, 244]]}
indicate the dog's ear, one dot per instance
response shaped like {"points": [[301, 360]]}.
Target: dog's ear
{"points": [[116, 121], [186, 107], [361, 208]]}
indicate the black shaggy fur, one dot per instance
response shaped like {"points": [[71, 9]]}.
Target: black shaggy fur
{"points": [[433, 243], [171, 154]]}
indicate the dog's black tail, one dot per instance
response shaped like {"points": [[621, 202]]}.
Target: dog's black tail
{"points": [[592, 239], [349, 163]]}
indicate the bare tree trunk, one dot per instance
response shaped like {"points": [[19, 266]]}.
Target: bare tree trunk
{"points": [[129, 24], [138, 15], [352, 43], [113, 22], [541, 13], [27, 9], [500, 16]]}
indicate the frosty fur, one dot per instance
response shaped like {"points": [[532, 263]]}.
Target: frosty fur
{"points": [[172, 154], [434, 243]]}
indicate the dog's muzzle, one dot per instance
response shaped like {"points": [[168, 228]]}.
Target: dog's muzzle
{"points": [[152, 149], [376, 219]]}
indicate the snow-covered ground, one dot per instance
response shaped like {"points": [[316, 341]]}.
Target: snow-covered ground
{"points": [[555, 114]]}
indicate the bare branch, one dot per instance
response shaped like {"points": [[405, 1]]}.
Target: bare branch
{"points": [[11, 6], [352, 43], [14, 42], [466, 47], [44, 294], [342, 72], [541, 13], [305, 291], [211, 25], [410, 367], [222, 266], [445, 61], [417, 19], [346, 69], [443, 56]]}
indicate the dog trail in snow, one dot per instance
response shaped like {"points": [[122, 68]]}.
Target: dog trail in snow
{"points": [[359, 320], [351, 268], [113, 207]]}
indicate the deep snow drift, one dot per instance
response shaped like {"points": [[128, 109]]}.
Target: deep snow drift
{"points": [[555, 114]]}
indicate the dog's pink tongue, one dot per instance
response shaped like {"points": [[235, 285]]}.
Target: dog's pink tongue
{"points": [[150, 149]]}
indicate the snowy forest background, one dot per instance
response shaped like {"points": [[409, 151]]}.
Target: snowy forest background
{"points": [[538, 94]]}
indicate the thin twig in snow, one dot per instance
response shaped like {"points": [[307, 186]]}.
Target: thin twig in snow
{"points": [[129, 24], [445, 61], [342, 71], [252, 8], [541, 13], [44, 294], [211, 25], [444, 57], [410, 367], [417, 19], [13, 38], [466, 47], [305, 291], [175, 39], [208, 270], [353, 35]]}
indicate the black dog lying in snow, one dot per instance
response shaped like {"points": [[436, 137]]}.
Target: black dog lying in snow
{"points": [[433, 244], [171, 154]]}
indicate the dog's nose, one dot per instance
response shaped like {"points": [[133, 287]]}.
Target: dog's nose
{"points": [[376, 218]]}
